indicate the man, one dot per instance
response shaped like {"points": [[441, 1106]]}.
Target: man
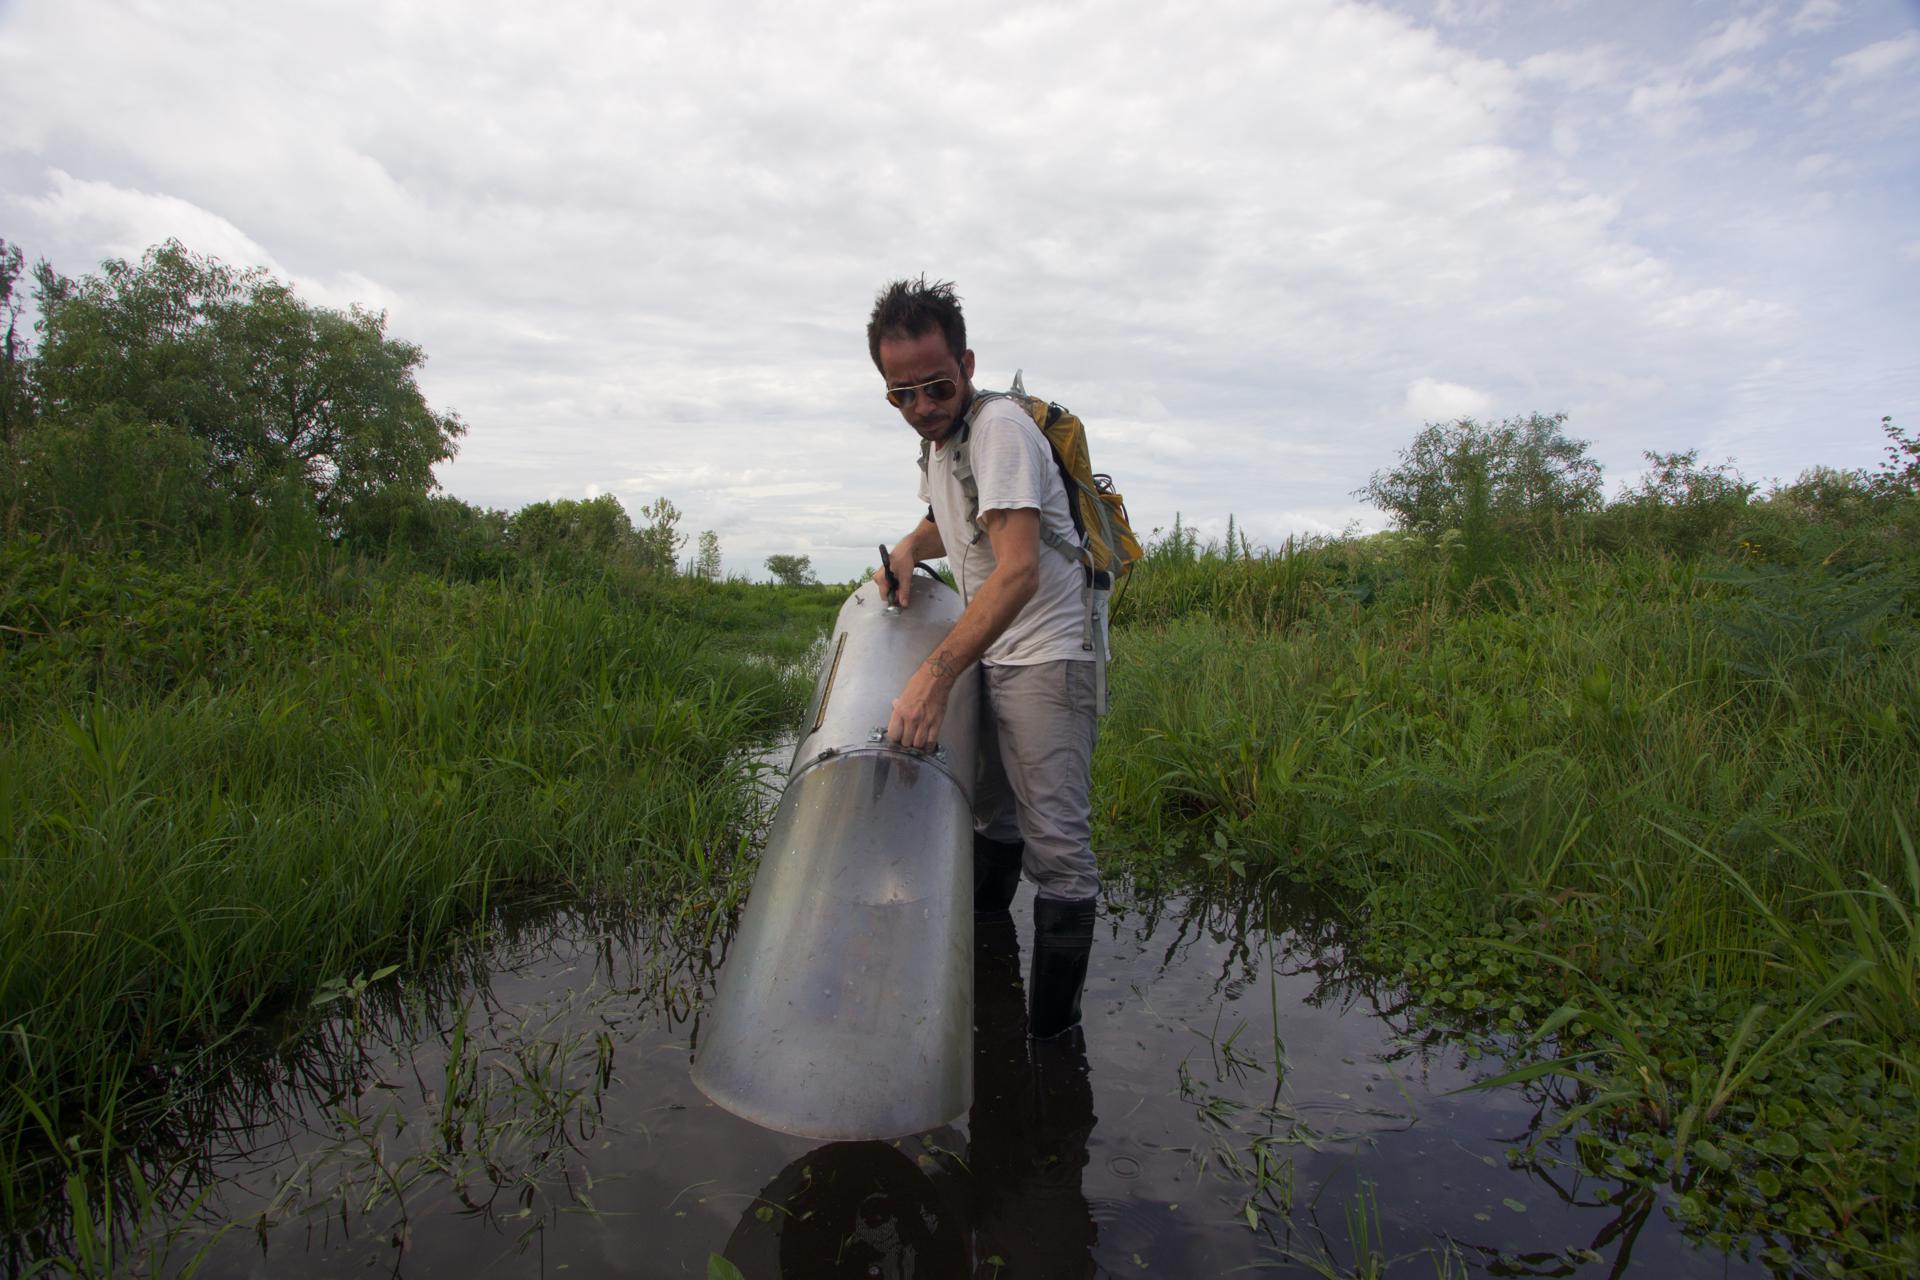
{"points": [[1024, 622]]}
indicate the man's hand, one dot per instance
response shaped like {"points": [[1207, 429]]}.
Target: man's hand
{"points": [[923, 543], [922, 705], [894, 586]]}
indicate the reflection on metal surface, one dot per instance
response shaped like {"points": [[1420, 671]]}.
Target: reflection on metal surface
{"points": [[845, 1007], [826, 685]]}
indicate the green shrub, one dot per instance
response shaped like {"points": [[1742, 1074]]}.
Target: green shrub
{"points": [[1521, 473], [1678, 506], [107, 473], [435, 532]]}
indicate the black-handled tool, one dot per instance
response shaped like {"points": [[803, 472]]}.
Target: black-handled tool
{"points": [[893, 583]]}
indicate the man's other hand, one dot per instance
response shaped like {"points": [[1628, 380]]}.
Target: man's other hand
{"points": [[920, 708]]}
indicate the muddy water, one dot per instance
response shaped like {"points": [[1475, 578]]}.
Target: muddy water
{"points": [[1244, 1098]]}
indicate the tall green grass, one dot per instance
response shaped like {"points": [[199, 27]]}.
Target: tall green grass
{"points": [[1666, 805], [1623, 732], [224, 785]]}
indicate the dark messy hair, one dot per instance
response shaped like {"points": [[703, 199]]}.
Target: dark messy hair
{"points": [[909, 308]]}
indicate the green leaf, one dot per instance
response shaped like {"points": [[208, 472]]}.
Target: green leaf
{"points": [[1532, 1071], [718, 1268], [1711, 1156]]}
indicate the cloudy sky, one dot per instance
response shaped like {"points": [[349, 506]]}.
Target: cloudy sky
{"points": [[1255, 245]]}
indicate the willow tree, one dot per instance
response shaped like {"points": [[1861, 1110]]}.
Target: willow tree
{"points": [[286, 396], [1523, 470]]}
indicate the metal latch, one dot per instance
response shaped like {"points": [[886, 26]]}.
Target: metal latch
{"points": [[938, 753]]}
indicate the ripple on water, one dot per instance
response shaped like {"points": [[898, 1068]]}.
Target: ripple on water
{"points": [[1129, 1227]]}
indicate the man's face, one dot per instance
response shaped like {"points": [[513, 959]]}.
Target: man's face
{"points": [[924, 358]]}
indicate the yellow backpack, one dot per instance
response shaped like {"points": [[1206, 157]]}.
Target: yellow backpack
{"points": [[1108, 545]]}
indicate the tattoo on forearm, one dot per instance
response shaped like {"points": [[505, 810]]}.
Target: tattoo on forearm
{"points": [[943, 665]]}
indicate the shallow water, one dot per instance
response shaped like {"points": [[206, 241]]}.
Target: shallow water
{"points": [[1243, 1098]]}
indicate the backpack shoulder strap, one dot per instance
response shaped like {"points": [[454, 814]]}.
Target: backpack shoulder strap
{"points": [[962, 465], [960, 461]]}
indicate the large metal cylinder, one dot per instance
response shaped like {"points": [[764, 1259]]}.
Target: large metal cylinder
{"points": [[845, 1006]]}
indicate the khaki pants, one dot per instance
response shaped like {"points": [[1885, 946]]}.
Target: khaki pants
{"points": [[1033, 780]]}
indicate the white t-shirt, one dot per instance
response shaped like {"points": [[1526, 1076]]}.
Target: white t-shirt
{"points": [[1013, 467]]}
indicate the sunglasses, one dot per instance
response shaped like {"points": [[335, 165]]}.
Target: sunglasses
{"points": [[940, 390]]}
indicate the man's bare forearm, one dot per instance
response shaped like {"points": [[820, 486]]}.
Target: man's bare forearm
{"points": [[923, 541], [922, 705], [1015, 577], [991, 611]]}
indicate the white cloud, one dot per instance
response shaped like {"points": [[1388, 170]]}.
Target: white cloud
{"points": [[1736, 36], [1671, 106], [1816, 15], [1271, 528], [1468, 12], [1818, 165], [125, 223], [1590, 68], [1627, 387], [1431, 400], [1719, 310], [1877, 59]]}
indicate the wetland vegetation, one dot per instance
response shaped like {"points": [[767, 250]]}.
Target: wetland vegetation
{"points": [[1620, 796], [1628, 790]]}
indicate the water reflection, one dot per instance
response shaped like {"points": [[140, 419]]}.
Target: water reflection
{"points": [[1007, 1202], [856, 1209], [1031, 1119], [1247, 1095]]}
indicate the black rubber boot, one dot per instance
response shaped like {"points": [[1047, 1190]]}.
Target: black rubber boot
{"points": [[996, 873], [1062, 939]]}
